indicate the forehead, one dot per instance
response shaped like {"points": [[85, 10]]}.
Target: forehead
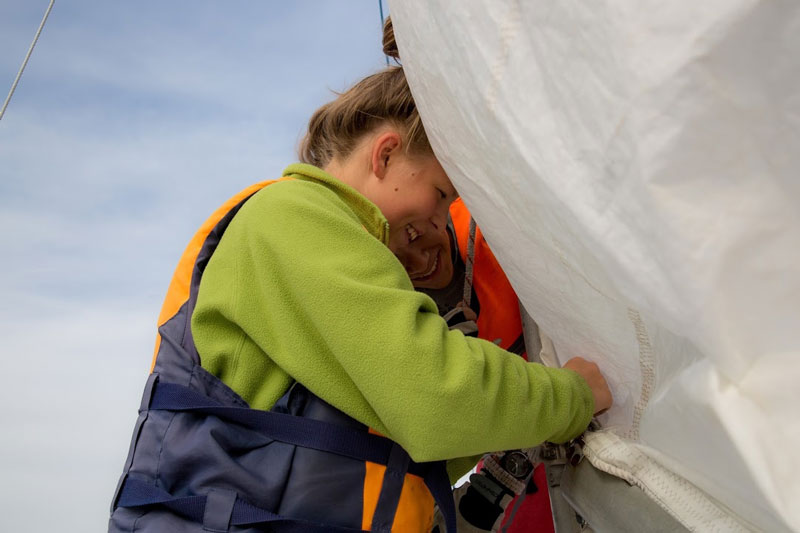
{"points": [[433, 170]]}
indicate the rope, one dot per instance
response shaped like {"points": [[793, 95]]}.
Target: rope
{"points": [[470, 262], [383, 20], [25, 62]]}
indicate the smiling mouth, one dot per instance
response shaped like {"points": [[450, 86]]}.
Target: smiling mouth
{"points": [[429, 272], [413, 234]]}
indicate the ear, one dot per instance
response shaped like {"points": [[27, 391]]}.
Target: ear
{"points": [[385, 146]]}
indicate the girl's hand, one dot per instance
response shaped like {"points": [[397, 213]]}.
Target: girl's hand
{"points": [[591, 373], [463, 319]]}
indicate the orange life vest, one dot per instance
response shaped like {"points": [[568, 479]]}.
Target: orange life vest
{"points": [[202, 460], [500, 318]]}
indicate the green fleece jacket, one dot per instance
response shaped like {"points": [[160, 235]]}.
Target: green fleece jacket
{"points": [[303, 287]]}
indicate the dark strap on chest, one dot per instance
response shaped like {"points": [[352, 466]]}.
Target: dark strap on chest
{"points": [[296, 430]]}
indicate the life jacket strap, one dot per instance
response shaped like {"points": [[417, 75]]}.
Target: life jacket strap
{"points": [[313, 434], [300, 431], [393, 480], [141, 494]]}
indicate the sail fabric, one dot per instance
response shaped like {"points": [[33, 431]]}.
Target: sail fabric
{"points": [[635, 167]]}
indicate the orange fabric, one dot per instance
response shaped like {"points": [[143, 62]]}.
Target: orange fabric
{"points": [[500, 319], [178, 291], [495, 294], [415, 508], [373, 480]]}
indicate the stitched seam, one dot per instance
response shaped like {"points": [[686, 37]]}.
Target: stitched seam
{"points": [[508, 31], [647, 369]]}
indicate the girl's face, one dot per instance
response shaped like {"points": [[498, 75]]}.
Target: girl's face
{"points": [[428, 259], [414, 196]]}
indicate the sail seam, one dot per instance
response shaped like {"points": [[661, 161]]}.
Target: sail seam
{"points": [[508, 32], [647, 369]]}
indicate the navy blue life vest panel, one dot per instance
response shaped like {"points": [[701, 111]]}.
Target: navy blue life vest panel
{"points": [[202, 460]]}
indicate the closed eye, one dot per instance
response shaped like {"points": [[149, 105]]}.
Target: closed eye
{"points": [[442, 193]]}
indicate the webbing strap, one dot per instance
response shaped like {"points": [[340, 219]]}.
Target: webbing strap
{"points": [[393, 479], [300, 431], [438, 482], [137, 493], [309, 433]]}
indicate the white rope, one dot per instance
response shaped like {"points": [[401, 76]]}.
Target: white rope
{"points": [[25, 62]]}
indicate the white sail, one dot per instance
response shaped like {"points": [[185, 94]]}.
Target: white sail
{"points": [[635, 166]]}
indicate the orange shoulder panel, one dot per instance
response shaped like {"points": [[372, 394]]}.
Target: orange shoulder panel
{"points": [[178, 291], [499, 317]]}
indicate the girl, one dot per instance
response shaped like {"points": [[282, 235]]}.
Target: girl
{"points": [[298, 305]]}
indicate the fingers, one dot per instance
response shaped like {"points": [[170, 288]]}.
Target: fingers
{"points": [[590, 372], [468, 312]]}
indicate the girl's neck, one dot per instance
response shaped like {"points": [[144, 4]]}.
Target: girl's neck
{"points": [[354, 170]]}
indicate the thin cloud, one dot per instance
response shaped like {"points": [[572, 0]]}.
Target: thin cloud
{"points": [[131, 124]]}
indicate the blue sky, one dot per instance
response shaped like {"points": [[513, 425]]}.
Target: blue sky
{"points": [[132, 122]]}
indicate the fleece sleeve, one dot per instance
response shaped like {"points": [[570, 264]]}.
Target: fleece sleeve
{"points": [[301, 287]]}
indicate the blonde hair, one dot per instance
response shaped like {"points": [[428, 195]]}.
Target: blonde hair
{"points": [[336, 128]]}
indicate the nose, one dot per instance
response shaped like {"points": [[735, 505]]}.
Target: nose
{"points": [[439, 221]]}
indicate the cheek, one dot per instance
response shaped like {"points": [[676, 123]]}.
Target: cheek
{"points": [[428, 204], [397, 242], [409, 205], [447, 270], [393, 211], [445, 275]]}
